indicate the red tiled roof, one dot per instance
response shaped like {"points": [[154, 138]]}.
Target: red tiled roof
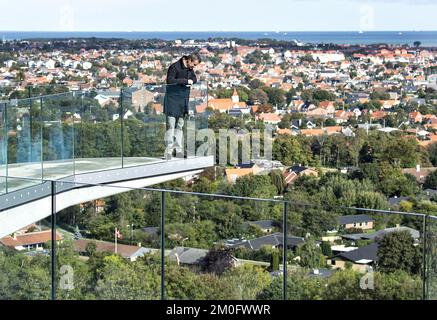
{"points": [[29, 239], [269, 117], [284, 131], [102, 246]]}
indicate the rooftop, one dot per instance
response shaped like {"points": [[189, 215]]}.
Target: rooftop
{"points": [[28, 239]]}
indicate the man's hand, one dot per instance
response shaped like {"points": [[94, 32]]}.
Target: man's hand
{"points": [[190, 82]]}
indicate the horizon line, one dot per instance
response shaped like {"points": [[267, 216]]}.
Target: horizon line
{"points": [[231, 31]]}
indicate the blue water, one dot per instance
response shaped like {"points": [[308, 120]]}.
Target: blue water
{"points": [[427, 38]]}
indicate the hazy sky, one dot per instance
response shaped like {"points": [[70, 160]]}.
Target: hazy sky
{"points": [[218, 15]]}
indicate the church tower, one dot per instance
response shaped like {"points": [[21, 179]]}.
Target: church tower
{"points": [[235, 97]]}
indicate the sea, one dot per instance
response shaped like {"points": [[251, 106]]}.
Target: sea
{"points": [[427, 38]]}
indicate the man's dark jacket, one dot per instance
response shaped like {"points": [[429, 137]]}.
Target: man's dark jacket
{"points": [[177, 97]]}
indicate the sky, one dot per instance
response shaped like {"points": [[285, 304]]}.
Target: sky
{"points": [[218, 15]]}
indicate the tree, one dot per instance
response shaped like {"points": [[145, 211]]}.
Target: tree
{"points": [[431, 181], [121, 279], [371, 200], [218, 260], [396, 251], [278, 180], [310, 254], [285, 122], [326, 248], [288, 150], [394, 183], [345, 285], [274, 263], [258, 96], [276, 96], [433, 154], [323, 95], [417, 44], [317, 222], [255, 84], [247, 281], [401, 152], [299, 287]]}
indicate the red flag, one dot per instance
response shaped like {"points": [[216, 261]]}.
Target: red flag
{"points": [[117, 233]]}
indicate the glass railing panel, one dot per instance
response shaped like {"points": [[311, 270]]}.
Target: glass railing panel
{"points": [[97, 129], [217, 250], [109, 251], [24, 143], [143, 124], [3, 147], [25, 250], [197, 136], [431, 259], [366, 254], [58, 132]]}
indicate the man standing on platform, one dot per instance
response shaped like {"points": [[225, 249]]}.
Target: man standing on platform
{"points": [[180, 78]]}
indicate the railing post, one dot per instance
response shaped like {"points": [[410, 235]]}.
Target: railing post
{"points": [[424, 261], [6, 151], [162, 244], [73, 155], [53, 253], [41, 123], [122, 127], [29, 92], [284, 253]]}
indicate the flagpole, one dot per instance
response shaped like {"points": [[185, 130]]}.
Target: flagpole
{"points": [[115, 240]]}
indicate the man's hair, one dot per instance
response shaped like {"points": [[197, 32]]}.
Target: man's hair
{"points": [[195, 56]]}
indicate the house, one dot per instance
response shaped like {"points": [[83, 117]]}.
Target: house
{"points": [[267, 226], [415, 117], [284, 132], [138, 97], [337, 249], [291, 174], [322, 131], [394, 202], [388, 104], [239, 112], [358, 97], [269, 118], [359, 221], [129, 252], [187, 256], [296, 105], [379, 234], [429, 193], [233, 174], [360, 258], [127, 114], [225, 105], [152, 232], [419, 173], [328, 106], [341, 116], [102, 99], [275, 240], [29, 241], [105, 97], [378, 115], [318, 113], [312, 132]]}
